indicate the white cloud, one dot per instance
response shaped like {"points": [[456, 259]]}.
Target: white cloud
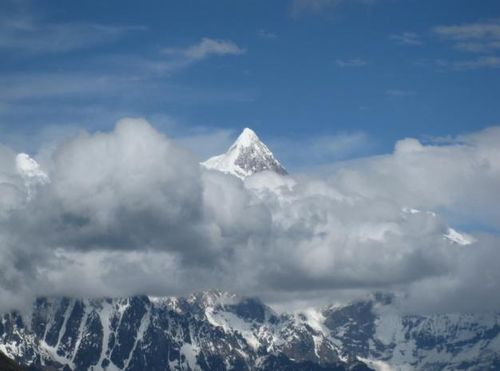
{"points": [[340, 145], [128, 211], [479, 37], [469, 64], [300, 7], [266, 34], [407, 38], [46, 85], [207, 47], [355, 62], [480, 62], [204, 143], [323, 149], [458, 177], [312, 6], [399, 92], [34, 35], [479, 30]]}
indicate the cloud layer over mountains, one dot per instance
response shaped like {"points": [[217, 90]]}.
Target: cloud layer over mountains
{"points": [[130, 212]]}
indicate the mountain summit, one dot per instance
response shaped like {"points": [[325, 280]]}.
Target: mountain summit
{"points": [[246, 156]]}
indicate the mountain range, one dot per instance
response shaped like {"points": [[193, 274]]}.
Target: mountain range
{"points": [[216, 330], [246, 156]]}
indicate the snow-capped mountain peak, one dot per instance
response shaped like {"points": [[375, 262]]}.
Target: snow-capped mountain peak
{"points": [[215, 330], [246, 138], [451, 235], [246, 156], [29, 169], [31, 173]]}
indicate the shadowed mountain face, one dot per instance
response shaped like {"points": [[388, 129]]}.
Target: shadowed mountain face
{"points": [[218, 331], [206, 331], [215, 330], [246, 156], [7, 364]]}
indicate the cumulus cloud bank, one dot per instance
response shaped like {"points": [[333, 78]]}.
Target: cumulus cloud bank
{"points": [[130, 212]]}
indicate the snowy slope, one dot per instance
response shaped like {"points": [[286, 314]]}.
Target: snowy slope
{"points": [[451, 235], [374, 330], [206, 331], [31, 173], [217, 330], [246, 156]]}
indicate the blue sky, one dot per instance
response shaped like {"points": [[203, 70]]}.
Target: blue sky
{"points": [[320, 81], [338, 78]]}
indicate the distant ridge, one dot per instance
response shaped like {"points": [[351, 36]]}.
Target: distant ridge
{"points": [[246, 156]]}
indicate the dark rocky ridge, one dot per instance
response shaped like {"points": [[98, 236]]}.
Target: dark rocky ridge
{"points": [[7, 364], [141, 333], [248, 155], [218, 331]]}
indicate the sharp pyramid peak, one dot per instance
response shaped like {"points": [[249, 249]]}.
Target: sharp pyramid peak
{"points": [[246, 156], [246, 137]]}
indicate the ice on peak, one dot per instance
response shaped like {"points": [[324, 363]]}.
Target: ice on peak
{"points": [[31, 173], [246, 156], [29, 168], [211, 297], [452, 235], [246, 138], [459, 238]]}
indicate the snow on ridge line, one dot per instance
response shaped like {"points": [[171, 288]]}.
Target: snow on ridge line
{"points": [[29, 169], [247, 137], [452, 235], [246, 156], [458, 237], [377, 365]]}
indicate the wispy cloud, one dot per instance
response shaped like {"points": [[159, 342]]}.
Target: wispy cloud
{"points": [[463, 64], [177, 224], [317, 150], [266, 34], [49, 85], [299, 7], [29, 34], [406, 38], [312, 6], [399, 93], [205, 48], [355, 62], [205, 142], [480, 62], [340, 146], [476, 37]]}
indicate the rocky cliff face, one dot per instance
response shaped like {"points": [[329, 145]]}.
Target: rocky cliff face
{"points": [[7, 364], [206, 331], [375, 330], [246, 156], [218, 331]]}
